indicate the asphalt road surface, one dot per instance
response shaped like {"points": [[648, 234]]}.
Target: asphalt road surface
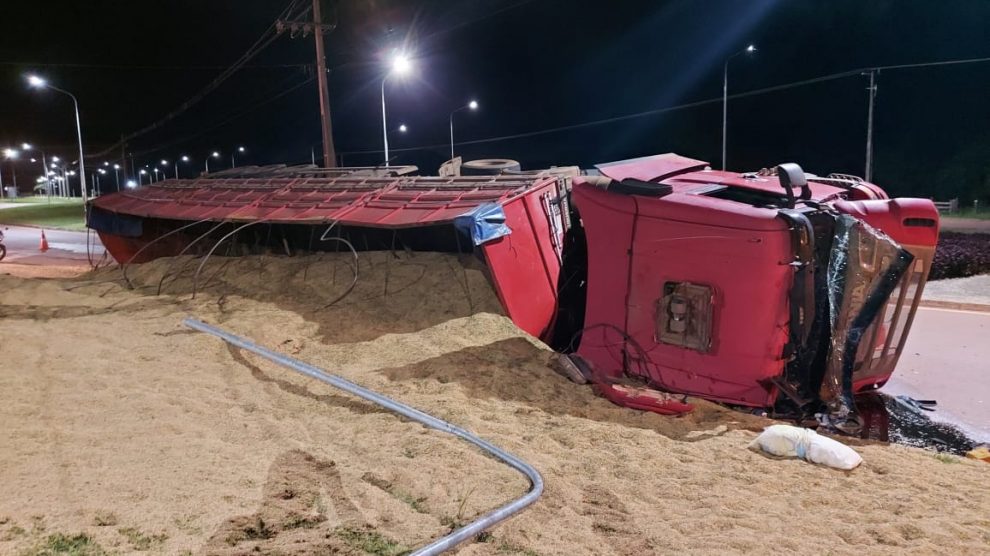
{"points": [[947, 359], [64, 248]]}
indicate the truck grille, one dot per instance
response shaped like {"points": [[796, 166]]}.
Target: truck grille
{"points": [[886, 337]]}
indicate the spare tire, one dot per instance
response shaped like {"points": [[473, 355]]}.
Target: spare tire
{"points": [[489, 167]]}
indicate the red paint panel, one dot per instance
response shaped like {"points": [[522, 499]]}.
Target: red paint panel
{"points": [[650, 168], [637, 244], [524, 266], [383, 202], [898, 218]]}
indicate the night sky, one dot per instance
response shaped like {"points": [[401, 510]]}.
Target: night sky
{"points": [[532, 65]]}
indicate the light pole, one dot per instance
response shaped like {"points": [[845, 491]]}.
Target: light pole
{"points": [[233, 163], [725, 95], [40, 83], [44, 168], [473, 105], [68, 174], [141, 173], [183, 158], [214, 154], [400, 66], [54, 167], [868, 173], [116, 175], [101, 172], [11, 154]]}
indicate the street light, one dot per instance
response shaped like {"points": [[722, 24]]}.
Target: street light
{"points": [[131, 184], [214, 154], [725, 95], [99, 172], [183, 158], [141, 172], [40, 83], [401, 65], [116, 175], [473, 105], [403, 128], [44, 167], [10, 154], [241, 150]]}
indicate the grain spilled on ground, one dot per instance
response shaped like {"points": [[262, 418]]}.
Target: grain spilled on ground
{"points": [[125, 432]]}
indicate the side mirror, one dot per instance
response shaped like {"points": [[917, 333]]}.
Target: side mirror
{"points": [[791, 175]]}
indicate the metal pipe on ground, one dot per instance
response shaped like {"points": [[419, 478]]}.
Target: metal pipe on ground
{"points": [[458, 536]]}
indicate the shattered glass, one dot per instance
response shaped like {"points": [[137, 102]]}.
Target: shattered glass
{"points": [[865, 266]]}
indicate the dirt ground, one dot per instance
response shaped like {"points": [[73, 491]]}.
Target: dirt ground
{"points": [[122, 431]]}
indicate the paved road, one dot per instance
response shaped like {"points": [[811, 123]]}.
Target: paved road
{"points": [[947, 358], [64, 248]]}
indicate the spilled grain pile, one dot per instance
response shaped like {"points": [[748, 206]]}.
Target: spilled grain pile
{"points": [[124, 432]]}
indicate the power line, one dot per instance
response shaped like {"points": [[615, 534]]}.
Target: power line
{"points": [[266, 38], [695, 104], [145, 67], [228, 119]]}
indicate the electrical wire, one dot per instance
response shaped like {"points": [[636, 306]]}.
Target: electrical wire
{"points": [[230, 118], [266, 38], [694, 104], [142, 67]]}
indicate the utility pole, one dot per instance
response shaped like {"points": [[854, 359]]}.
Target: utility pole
{"points": [[317, 27], [123, 159], [868, 173], [329, 156]]}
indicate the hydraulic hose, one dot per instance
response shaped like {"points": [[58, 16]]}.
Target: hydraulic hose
{"points": [[458, 536]]}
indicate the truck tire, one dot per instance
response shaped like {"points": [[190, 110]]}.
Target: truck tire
{"points": [[489, 167]]}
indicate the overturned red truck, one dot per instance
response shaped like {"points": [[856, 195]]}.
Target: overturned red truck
{"points": [[656, 278]]}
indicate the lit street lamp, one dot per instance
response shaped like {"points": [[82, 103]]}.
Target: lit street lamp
{"points": [[400, 66], [116, 175], [214, 154], [183, 158], [725, 95], [473, 105], [141, 172], [44, 168], [11, 155], [403, 128], [40, 83], [233, 163], [99, 172]]}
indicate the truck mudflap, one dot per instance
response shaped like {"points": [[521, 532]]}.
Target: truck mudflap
{"points": [[865, 266], [643, 398]]}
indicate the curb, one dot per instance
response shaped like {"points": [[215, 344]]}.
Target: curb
{"points": [[959, 306]]}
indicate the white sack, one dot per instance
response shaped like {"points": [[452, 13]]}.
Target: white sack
{"points": [[789, 441]]}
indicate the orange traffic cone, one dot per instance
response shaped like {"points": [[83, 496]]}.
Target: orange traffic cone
{"points": [[44, 242]]}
